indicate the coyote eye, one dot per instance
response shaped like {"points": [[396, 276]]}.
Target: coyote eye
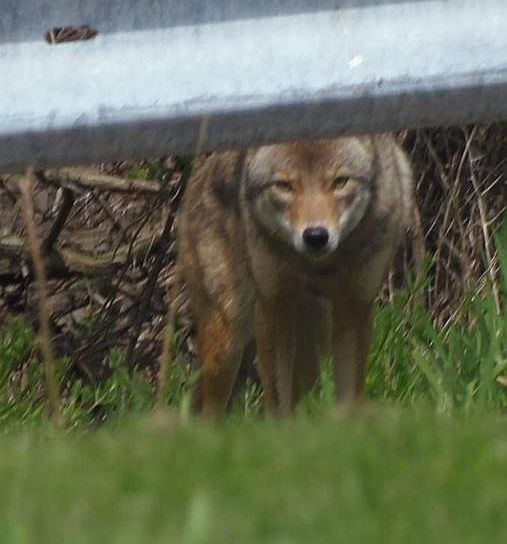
{"points": [[340, 182], [282, 186]]}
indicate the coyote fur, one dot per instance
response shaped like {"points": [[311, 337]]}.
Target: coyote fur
{"points": [[287, 245]]}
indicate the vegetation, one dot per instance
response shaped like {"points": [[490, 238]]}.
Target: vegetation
{"points": [[380, 476]]}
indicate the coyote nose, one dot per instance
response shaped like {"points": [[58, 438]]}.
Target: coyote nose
{"points": [[315, 237]]}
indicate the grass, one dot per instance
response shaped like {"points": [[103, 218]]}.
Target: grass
{"points": [[425, 460], [381, 476], [454, 369]]}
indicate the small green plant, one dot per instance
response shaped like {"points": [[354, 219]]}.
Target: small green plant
{"points": [[181, 378], [458, 366], [121, 392], [19, 401], [147, 170], [248, 403]]}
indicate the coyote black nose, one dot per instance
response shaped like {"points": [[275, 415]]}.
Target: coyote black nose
{"points": [[315, 237]]}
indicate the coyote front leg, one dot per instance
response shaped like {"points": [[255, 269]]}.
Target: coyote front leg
{"points": [[220, 352], [276, 348], [352, 325]]}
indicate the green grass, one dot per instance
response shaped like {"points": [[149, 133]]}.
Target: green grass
{"points": [[454, 369], [378, 476]]}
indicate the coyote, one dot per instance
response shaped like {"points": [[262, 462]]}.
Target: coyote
{"points": [[287, 245]]}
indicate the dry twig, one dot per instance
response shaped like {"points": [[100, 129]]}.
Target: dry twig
{"points": [[42, 297]]}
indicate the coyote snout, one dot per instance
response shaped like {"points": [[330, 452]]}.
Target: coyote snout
{"points": [[287, 245], [317, 239]]}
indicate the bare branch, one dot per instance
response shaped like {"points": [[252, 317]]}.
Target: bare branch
{"points": [[61, 218], [90, 179], [81, 179], [165, 358], [165, 239]]}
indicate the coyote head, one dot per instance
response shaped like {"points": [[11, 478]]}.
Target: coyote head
{"points": [[311, 196]]}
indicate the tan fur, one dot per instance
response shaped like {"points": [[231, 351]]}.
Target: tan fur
{"points": [[250, 273]]}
